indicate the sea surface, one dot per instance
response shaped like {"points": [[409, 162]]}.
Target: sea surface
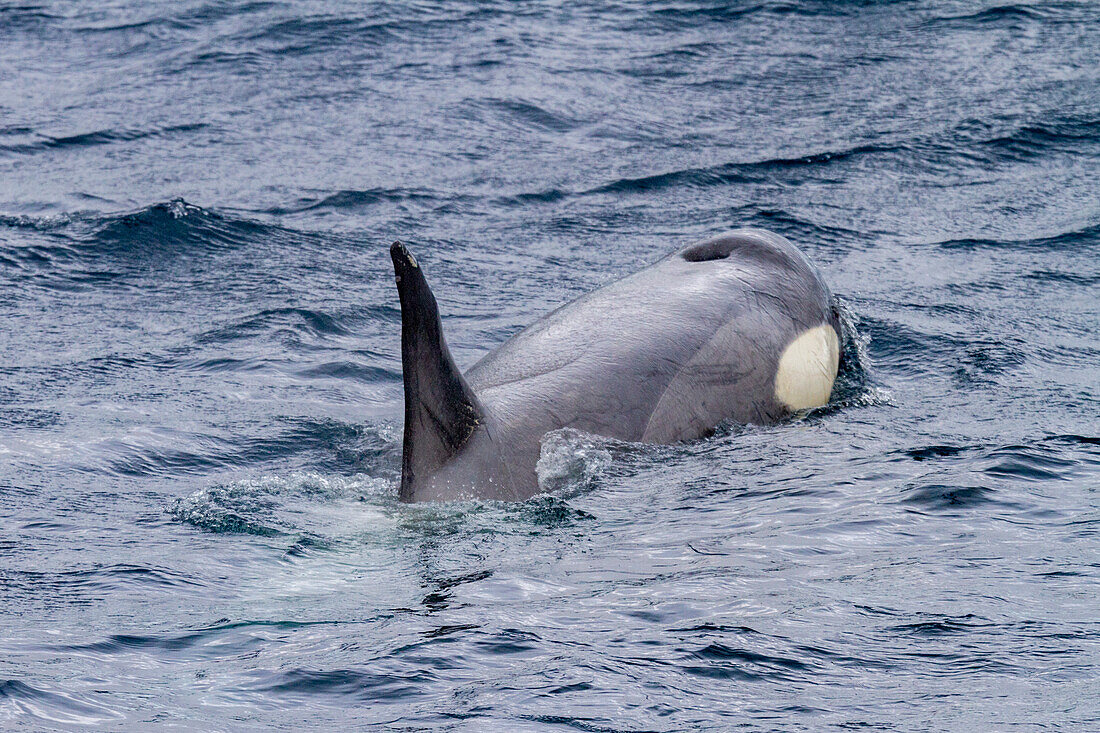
{"points": [[200, 377]]}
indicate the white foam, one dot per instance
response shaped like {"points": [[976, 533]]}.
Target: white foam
{"points": [[570, 462]]}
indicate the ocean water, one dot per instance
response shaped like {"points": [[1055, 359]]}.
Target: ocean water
{"points": [[200, 381]]}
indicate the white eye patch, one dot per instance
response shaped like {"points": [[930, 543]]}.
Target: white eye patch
{"points": [[808, 368]]}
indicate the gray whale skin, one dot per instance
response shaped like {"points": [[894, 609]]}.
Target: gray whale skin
{"points": [[739, 327]]}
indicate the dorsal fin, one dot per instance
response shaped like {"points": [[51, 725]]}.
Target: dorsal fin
{"points": [[441, 411]]}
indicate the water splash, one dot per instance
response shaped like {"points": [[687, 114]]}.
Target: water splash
{"points": [[571, 462], [274, 505]]}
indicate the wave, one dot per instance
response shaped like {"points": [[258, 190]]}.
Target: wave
{"points": [[350, 199], [901, 349], [973, 142], [97, 137], [676, 15], [968, 478], [354, 371], [724, 661], [320, 32], [330, 444], [737, 173], [54, 706], [519, 114], [314, 323], [165, 226], [29, 418], [1028, 463], [944, 625], [25, 17], [172, 228], [703, 177], [85, 250], [1007, 16], [1072, 439], [952, 497], [83, 585], [1088, 235], [991, 142], [359, 685], [273, 506], [204, 14], [800, 229]]}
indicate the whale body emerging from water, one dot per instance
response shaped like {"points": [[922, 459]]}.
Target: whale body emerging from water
{"points": [[739, 327]]}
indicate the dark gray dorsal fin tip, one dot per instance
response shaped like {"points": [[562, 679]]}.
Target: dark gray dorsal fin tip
{"points": [[441, 410]]}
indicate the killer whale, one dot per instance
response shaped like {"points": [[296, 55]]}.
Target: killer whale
{"points": [[738, 327]]}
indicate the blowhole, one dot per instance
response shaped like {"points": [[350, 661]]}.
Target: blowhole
{"points": [[718, 249]]}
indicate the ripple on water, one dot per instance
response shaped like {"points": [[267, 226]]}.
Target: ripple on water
{"points": [[78, 252], [163, 453], [295, 687], [724, 661], [273, 505], [967, 478], [52, 707]]}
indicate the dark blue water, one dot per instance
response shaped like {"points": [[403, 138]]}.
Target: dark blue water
{"points": [[200, 389]]}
